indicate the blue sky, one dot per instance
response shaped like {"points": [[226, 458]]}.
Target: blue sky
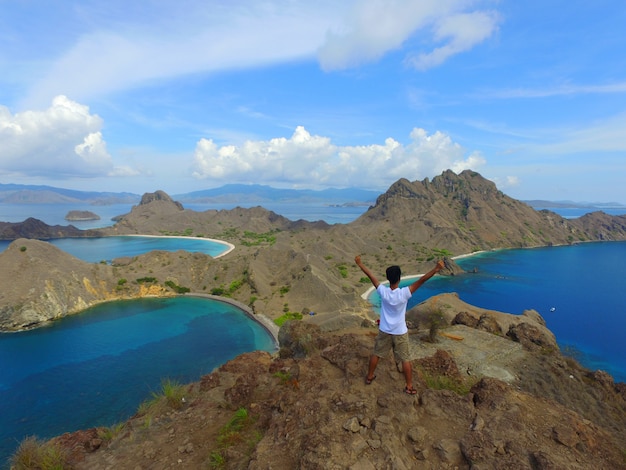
{"points": [[181, 96]]}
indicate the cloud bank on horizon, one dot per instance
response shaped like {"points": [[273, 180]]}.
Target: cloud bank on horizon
{"points": [[153, 95]]}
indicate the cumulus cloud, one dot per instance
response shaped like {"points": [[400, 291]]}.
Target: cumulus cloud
{"points": [[314, 161], [62, 141], [377, 27]]}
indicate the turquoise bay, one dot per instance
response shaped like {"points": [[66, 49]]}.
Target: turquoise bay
{"points": [[95, 250], [95, 368]]}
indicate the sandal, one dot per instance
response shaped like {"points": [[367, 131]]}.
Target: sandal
{"points": [[369, 381], [410, 391]]}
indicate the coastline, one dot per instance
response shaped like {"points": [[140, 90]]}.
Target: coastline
{"points": [[230, 246], [369, 291], [267, 324]]}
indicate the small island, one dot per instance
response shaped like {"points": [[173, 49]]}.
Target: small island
{"points": [[79, 216]]}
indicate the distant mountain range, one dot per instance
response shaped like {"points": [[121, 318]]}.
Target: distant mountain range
{"points": [[230, 193], [256, 193], [540, 204], [34, 194]]}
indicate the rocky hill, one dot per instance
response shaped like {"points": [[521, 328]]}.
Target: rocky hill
{"points": [[34, 228], [308, 407], [494, 391]]}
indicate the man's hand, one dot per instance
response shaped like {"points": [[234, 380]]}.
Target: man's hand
{"points": [[440, 265], [357, 260]]}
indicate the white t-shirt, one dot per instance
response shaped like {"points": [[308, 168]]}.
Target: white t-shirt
{"points": [[393, 309]]}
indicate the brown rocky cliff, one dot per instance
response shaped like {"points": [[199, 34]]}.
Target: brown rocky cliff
{"points": [[308, 407]]}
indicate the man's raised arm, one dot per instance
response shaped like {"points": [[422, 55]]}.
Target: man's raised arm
{"points": [[366, 270], [417, 284]]}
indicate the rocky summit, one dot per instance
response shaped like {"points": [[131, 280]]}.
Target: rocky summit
{"points": [[494, 390]]}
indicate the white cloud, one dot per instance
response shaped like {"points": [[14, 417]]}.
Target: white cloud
{"points": [[460, 33], [377, 27], [95, 52], [61, 141], [314, 161], [506, 182], [174, 40]]}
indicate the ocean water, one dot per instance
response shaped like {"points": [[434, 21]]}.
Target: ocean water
{"points": [[579, 290], [95, 368], [96, 250], [54, 214]]}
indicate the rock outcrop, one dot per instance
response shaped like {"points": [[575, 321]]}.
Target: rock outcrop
{"points": [[308, 407]]}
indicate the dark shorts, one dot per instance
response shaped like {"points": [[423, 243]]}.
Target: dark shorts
{"points": [[398, 343]]}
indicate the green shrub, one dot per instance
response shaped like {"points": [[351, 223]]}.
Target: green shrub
{"points": [[172, 395], [288, 316], [33, 454], [435, 322], [235, 285], [229, 433], [176, 288], [343, 270], [284, 376], [255, 239], [236, 431], [109, 433], [218, 291], [442, 382]]}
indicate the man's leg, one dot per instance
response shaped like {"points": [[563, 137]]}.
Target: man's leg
{"points": [[382, 346], [408, 374], [372, 367], [401, 348]]}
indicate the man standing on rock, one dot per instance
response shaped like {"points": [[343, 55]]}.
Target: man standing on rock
{"points": [[393, 333]]}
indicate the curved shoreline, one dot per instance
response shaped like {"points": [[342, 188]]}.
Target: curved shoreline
{"points": [[267, 324], [230, 247], [365, 295]]}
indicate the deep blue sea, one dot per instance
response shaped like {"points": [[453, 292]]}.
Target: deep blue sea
{"points": [[95, 368], [579, 290], [121, 351]]}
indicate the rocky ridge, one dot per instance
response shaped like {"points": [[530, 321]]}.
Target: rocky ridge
{"points": [[308, 407]]}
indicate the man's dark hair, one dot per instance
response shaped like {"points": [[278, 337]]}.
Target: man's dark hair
{"points": [[393, 274]]}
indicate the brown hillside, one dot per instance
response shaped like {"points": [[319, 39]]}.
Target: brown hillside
{"points": [[464, 213]]}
